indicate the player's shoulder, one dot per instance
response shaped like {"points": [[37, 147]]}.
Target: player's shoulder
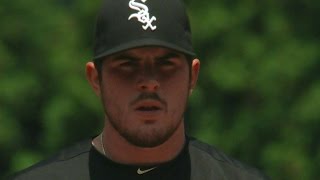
{"points": [[205, 157], [72, 158]]}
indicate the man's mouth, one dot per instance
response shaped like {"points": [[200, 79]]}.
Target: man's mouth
{"points": [[148, 108]]}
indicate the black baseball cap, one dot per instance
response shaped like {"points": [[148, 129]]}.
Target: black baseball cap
{"points": [[126, 24]]}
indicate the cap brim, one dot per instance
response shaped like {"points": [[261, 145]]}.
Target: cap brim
{"points": [[142, 43]]}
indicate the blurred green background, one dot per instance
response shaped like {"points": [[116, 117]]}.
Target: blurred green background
{"points": [[258, 96]]}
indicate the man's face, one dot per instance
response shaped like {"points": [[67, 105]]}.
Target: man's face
{"points": [[144, 92]]}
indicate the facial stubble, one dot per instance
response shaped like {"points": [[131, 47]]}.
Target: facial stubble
{"points": [[147, 135]]}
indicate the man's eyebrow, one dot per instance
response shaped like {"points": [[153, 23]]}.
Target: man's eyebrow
{"points": [[168, 56], [124, 56]]}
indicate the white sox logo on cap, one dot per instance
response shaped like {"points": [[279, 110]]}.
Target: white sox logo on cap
{"points": [[142, 15]]}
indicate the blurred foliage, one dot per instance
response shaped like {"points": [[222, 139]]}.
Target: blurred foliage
{"points": [[258, 95]]}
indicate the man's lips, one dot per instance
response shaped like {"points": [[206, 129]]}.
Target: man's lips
{"points": [[148, 106]]}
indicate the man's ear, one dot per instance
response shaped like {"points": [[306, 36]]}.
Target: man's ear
{"points": [[93, 77], [195, 68]]}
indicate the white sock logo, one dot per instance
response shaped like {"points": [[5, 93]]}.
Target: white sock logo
{"points": [[142, 15]]}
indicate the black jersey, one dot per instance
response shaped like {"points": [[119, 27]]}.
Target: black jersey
{"points": [[101, 167], [197, 161]]}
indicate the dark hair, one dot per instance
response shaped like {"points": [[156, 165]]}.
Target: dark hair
{"points": [[98, 65]]}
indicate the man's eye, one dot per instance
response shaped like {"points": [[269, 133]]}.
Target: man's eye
{"points": [[128, 64], [166, 63]]}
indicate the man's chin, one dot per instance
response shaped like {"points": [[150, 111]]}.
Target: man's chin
{"points": [[146, 132], [146, 144], [148, 138], [147, 141]]}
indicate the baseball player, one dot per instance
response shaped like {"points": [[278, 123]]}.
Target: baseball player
{"points": [[144, 69]]}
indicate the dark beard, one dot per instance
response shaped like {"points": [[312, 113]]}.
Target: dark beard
{"points": [[153, 139], [138, 138]]}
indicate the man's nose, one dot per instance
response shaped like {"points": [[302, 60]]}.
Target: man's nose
{"points": [[148, 84], [147, 80]]}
